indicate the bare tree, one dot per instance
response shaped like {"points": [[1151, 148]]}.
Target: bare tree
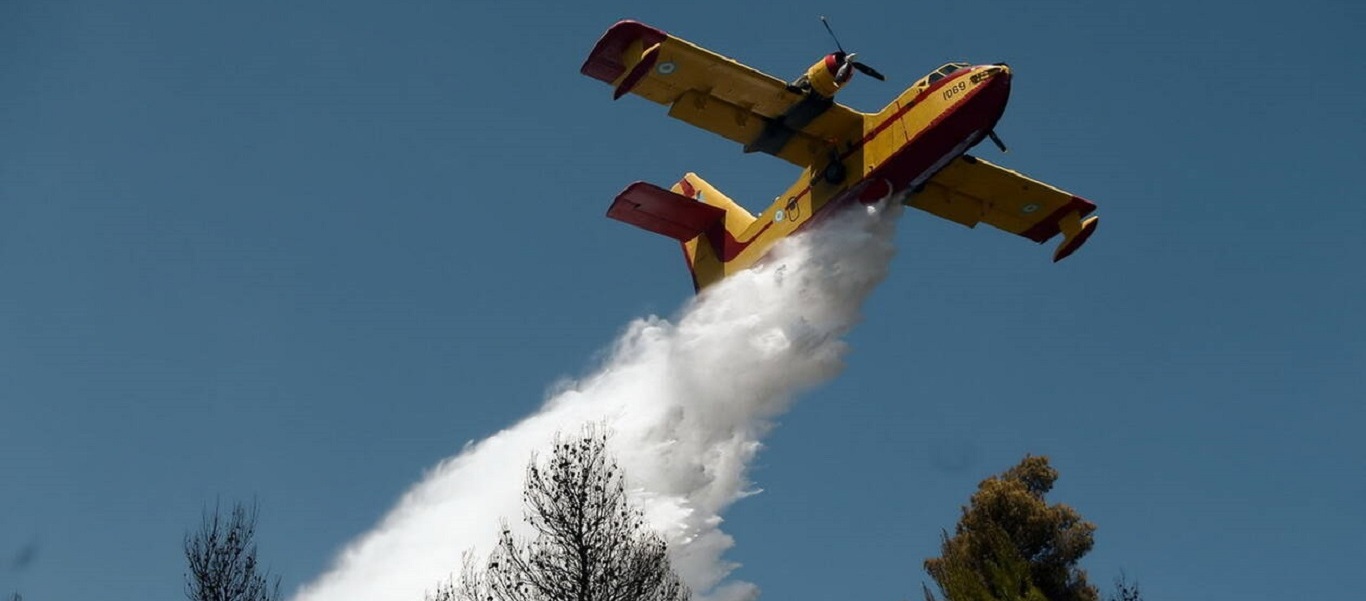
{"points": [[1126, 590], [222, 559], [590, 544]]}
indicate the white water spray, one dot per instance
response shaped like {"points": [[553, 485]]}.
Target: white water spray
{"points": [[687, 403]]}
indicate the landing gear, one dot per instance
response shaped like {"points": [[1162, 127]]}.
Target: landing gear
{"points": [[835, 172]]}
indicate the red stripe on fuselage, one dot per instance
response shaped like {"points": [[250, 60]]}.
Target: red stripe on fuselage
{"points": [[920, 153], [901, 111]]}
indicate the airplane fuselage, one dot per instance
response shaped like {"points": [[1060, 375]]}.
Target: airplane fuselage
{"points": [[902, 146]]}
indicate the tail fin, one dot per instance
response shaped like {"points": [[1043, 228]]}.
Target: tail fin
{"points": [[707, 255], [692, 212]]}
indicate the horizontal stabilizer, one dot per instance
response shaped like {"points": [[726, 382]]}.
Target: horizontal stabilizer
{"points": [[655, 209]]}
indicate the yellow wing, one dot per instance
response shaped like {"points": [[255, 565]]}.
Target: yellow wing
{"points": [[721, 95], [970, 190]]}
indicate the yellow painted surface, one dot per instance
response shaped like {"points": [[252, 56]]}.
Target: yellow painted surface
{"points": [[975, 191], [723, 96], [778, 221], [822, 81], [730, 99]]}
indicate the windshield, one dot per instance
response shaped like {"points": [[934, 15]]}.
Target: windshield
{"points": [[941, 72], [951, 67]]}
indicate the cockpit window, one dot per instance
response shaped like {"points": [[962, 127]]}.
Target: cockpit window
{"points": [[951, 67], [940, 73]]}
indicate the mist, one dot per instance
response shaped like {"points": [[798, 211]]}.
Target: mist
{"points": [[688, 402]]}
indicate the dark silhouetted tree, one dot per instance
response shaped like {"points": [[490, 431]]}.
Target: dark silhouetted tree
{"points": [[222, 559], [589, 543], [1125, 590], [1011, 545]]}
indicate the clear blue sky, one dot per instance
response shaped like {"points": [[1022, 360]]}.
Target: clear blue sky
{"points": [[303, 251]]}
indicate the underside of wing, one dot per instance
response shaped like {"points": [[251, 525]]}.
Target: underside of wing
{"points": [[720, 95], [970, 191]]}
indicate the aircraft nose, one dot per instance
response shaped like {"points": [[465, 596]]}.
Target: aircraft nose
{"points": [[998, 72]]}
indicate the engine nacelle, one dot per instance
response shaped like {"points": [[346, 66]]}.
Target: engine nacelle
{"points": [[828, 75]]}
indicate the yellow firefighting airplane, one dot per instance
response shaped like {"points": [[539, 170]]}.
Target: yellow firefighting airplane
{"points": [[912, 150]]}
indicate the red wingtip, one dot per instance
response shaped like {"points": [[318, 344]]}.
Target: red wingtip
{"points": [[638, 72], [1071, 245], [605, 62]]}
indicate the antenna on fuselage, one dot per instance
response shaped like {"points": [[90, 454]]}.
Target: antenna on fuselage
{"points": [[995, 139]]}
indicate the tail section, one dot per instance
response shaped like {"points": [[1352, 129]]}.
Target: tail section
{"points": [[707, 255], [692, 212], [666, 213]]}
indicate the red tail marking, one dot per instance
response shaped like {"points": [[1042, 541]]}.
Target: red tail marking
{"points": [[657, 210]]}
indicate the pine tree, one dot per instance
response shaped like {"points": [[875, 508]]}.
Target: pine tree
{"points": [[1011, 545]]}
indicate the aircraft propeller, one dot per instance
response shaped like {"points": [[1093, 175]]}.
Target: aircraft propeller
{"points": [[846, 59]]}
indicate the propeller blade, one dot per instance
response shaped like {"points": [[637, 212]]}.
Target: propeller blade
{"points": [[847, 59], [869, 71], [832, 34]]}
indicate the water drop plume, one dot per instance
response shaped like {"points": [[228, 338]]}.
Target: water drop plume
{"points": [[688, 402]]}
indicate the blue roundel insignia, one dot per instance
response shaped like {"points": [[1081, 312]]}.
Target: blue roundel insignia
{"points": [[778, 216], [665, 67]]}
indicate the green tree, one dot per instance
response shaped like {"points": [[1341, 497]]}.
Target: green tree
{"points": [[589, 543], [1011, 545], [222, 559]]}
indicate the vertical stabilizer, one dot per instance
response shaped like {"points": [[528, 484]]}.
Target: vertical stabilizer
{"points": [[708, 254], [692, 212]]}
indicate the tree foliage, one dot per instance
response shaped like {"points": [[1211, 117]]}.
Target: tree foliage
{"points": [[1011, 545], [589, 543], [222, 559], [1000, 574]]}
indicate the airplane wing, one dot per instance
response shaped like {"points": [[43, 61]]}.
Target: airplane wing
{"points": [[721, 95], [970, 191]]}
